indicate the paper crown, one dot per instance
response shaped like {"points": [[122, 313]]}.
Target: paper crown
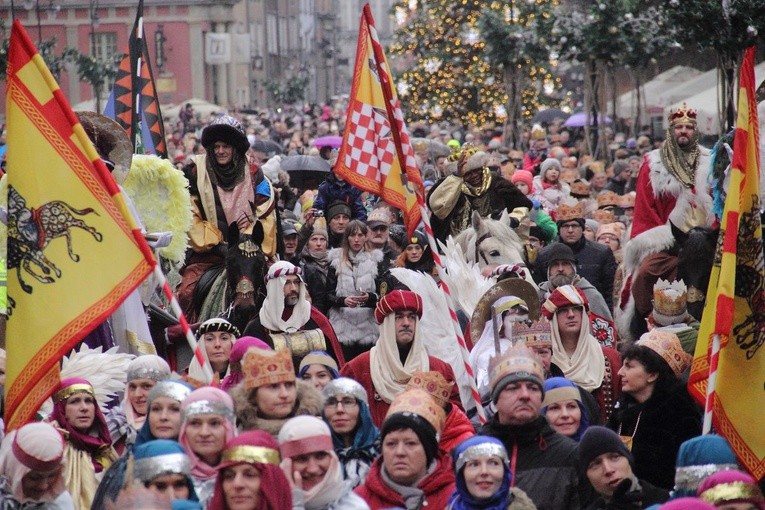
{"points": [[667, 345], [669, 302], [519, 361], [434, 384], [538, 132], [613, 229], [464, 159], [608, 199], [604, 216], [533, 334], [597, 166], [682, 115], [627, 200], [261, 367], [419, 402], [568, 210], [580, 188]]}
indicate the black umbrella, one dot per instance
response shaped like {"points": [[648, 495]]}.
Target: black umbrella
{"points": [[306, 172], [549, 115], [267, 147]]}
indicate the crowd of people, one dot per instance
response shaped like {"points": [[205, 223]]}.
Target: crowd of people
{"points": [[331, 393]]}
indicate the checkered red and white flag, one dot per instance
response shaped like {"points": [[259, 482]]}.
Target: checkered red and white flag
{"points": [[376, 155]]}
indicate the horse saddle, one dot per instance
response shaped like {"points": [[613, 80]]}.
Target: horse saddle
{"points": [[300, 343]]}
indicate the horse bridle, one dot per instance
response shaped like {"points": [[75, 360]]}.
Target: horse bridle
{"points": [[478, 242]]}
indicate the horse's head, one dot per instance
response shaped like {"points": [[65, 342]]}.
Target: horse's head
{"points": [[245, 267], [491, 242], [696, 253]]}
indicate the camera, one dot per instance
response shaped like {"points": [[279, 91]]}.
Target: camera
{"points": [[318, 214]]}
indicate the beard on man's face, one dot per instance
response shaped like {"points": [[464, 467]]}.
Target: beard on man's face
{"points": [[291, 299], [559, 280]]}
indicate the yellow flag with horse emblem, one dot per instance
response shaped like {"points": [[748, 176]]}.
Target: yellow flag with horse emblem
{"points": [[74, 252], [732, 380]]}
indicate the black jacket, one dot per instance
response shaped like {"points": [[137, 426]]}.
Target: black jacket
{"points": [[646, 496], [666, 420], [546, 464]]}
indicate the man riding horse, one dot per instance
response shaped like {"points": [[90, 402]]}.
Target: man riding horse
{"points": [[471, 187], [226, 188], [673, 197]]}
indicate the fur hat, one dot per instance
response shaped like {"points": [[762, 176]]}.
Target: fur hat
{"points": [[518, 363], [225, 129], [599, 440], [398, 301]]}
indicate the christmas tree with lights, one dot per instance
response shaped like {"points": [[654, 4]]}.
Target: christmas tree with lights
{"points": [[452, 66]]}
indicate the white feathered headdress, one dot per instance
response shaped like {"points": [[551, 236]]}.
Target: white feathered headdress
{"points": [[105, 371]]}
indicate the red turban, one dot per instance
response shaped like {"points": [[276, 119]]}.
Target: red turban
{"points": [[566, 295], [398, 301]]}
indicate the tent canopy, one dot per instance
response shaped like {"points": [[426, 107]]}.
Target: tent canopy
{"points": [[652, 90]]}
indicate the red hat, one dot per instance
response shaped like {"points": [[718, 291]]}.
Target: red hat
{"points": [[566, 295], [398, 301]]}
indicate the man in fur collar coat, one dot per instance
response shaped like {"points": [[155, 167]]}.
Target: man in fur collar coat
{"points": [[674, 176]]}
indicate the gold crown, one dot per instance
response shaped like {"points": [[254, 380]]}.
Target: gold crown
{"points": [[580, 187], [535, 334], [516, 360], [667, 345], [607, 199], [670, 298], [434, 383], [627, 200], [683, 115], [570, 211], [261, 367], [604, 216], [421, 403], [538, 132]]}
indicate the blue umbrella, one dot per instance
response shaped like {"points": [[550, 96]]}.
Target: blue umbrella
{"points": [[579, 119]]}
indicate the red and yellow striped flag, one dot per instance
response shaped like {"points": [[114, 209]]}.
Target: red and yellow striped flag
{"points": [[74, 251], [735, 305], [376, 155]]}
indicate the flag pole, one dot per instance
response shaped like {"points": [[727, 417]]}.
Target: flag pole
{"points": [[419, 192], [714, 359], [176, 307]]}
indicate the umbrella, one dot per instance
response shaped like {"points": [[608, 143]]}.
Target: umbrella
{"points": [[266, 147], [329, 141], [549, 116], [578, 120], [434, 147], [306, 172]]}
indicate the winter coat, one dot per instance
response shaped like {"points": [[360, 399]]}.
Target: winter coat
{"points": [[457, 428], [520, 501], [333, 190], [309, 402], [315, 278], [436, 486], [353, 325], [594, 262], [358, 369], [666, 420], [647, 494], [546, 465]]}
